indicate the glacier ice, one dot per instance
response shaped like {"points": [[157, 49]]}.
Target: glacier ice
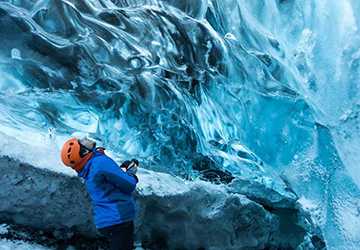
{"points": [[257, 95], [20, 245], [54, 209]]}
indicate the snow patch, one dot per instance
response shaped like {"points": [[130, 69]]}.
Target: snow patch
{"points": [[20, 245], [38, 150], [4, 229], [45, 154], [313, 208], [160, 184]]}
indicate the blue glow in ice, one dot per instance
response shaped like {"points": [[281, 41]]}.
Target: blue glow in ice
{"points": [[211, 89]]}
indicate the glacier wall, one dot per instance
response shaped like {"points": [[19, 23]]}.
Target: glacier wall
{"points": [[259, 95], [54, 209]]}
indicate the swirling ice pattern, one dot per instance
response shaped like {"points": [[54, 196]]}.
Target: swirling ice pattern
{"points": [[215, 89]]}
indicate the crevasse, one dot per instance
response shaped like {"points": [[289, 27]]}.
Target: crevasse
{"points": [[216, 89]]}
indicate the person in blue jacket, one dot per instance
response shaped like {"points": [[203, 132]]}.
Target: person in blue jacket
{"points": [[110, 189]]}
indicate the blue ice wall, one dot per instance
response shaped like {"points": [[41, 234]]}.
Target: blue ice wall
{"points": [[202, 89]]}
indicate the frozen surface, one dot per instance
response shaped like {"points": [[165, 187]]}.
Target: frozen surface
{"points": [[20, 245], [3, 228], [217, 90], [172, 213], [43, 154]]}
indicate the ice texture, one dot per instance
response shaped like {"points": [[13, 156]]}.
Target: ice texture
{"points": [[172, 213], [20, 245], [261, 96], [3, 228]]}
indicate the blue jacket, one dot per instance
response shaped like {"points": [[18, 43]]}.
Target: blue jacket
{"points": [[110, 190]]}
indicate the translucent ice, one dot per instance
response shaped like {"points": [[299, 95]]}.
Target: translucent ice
{"points": [[232, 91]]}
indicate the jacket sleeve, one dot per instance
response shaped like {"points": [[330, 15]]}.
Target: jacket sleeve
{"points": [[116, 176]]}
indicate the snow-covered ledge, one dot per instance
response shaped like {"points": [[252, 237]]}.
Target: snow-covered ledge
{"points": [[172, 213]]}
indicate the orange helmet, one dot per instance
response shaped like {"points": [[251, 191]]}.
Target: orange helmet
{"points": [[71, 155]]}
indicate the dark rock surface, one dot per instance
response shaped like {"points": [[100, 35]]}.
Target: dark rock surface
{"points": [[172, 214]]}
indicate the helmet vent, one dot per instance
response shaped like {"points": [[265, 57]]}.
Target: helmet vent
{"points": [[69, 150], [71, 143], [68, 156], [72, 162]]}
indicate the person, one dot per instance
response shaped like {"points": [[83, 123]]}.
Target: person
{"points": [[110, 189]]}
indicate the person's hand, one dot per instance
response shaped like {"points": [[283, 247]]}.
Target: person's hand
{"points": [[132, 167], [136, 162], [125, 164]]}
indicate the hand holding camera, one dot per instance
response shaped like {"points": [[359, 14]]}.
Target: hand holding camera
{"points": [[131, 166]]}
